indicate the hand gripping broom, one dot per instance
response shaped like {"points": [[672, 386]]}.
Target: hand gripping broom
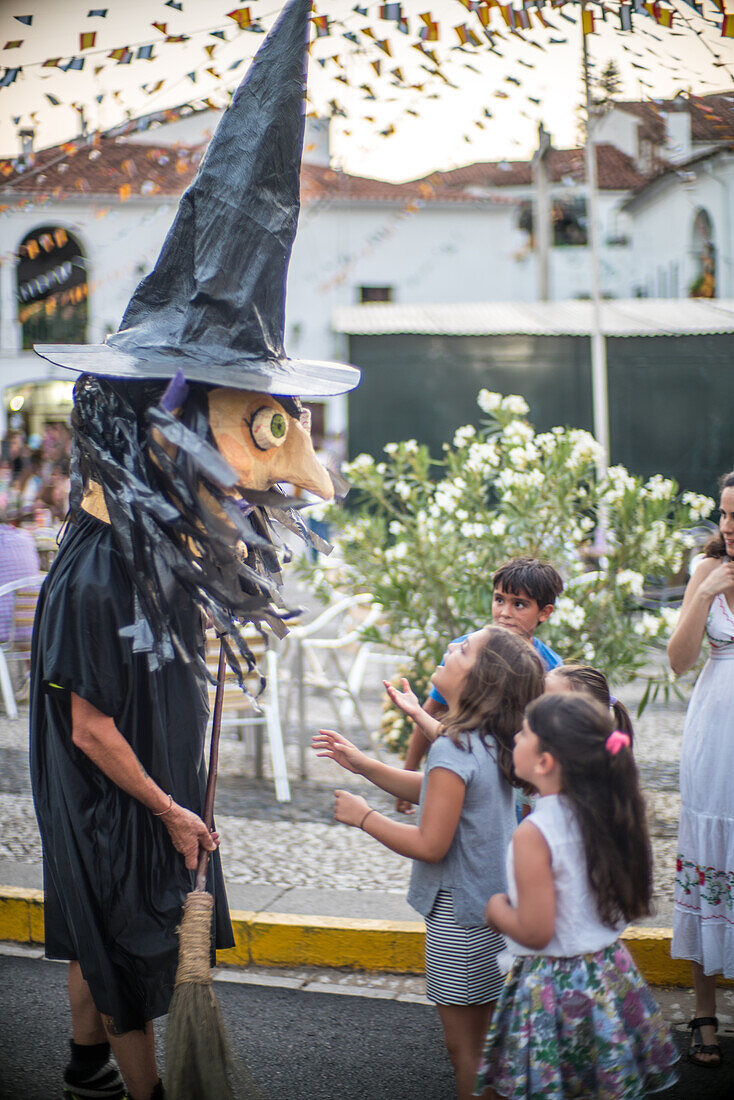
{"points": [[200, 1061]]}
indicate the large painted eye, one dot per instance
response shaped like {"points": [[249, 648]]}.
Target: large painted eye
{"points": [[268, 428]]}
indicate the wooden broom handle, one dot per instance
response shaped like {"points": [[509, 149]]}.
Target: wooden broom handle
{"points": [[211, 782]]}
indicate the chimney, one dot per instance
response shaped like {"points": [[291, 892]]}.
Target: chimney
{"points": [[677, 135], [26, 141]]}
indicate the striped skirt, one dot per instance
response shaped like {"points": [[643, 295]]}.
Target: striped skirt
{"points": [[461, 963]]}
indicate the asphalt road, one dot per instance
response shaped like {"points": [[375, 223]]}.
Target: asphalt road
{"points": [[303, 1046], [296, 1045]]}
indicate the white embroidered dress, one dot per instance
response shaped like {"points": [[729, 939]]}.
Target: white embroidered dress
{"points": [[703, 919]]}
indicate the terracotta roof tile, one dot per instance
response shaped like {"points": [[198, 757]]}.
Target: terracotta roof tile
{"points": [[712, 116], [616, 171]]}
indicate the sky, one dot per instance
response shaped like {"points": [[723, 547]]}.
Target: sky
{"points": [[466, 103]]}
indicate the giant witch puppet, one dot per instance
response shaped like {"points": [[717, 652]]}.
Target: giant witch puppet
{"points": [[185, 421]]}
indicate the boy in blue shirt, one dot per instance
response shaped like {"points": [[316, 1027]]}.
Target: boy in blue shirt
{"points": [[525, 592]]}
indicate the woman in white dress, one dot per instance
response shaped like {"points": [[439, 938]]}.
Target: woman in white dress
{"points": [[703, 919]]}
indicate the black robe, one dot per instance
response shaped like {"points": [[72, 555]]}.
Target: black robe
{"points": [[114, 884]]}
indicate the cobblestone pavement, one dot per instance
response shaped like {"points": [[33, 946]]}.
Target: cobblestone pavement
{"points": [[298, 843]]}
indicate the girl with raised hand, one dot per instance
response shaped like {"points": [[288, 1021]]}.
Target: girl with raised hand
{"points": [[466, 821], [590, 681], [575, 1017]]}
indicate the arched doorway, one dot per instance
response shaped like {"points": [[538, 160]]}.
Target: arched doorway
{"points": [[52, 288], [704, 256]]}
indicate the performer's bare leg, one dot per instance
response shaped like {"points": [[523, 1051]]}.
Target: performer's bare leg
{"points": [[135, 1055], [86, 1022], [133, 1050]]}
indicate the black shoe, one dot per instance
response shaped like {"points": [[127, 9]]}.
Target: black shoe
{"points": [[104, 1083]]}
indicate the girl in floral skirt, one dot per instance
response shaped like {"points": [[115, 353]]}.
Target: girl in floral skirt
{"points": [[575, 1017]]}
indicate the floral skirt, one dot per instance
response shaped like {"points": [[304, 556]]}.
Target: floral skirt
{"points": [[584, 1027]]}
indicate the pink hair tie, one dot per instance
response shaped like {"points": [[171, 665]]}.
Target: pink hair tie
{"points": [[616, 741]]}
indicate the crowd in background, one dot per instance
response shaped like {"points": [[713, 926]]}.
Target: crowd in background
{"points": [[34, 477]]}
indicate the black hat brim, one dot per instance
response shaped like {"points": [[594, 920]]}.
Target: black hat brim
{"points": [[287, 377]]}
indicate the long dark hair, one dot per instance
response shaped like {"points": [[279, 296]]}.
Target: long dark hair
{"points": [[604, 791], [716, 547], [590, 681], [505, 677], [167, 491]]}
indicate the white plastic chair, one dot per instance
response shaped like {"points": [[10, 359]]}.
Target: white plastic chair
{"points": [[313, 662], [242, 713], [24, 591]]}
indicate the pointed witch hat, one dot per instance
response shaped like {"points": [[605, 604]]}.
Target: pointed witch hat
{"points": [[214, 305]]}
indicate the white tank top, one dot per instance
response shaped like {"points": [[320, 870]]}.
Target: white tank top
{"points": [[578, 929]]}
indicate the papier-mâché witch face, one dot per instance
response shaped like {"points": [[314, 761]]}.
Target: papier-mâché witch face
{"points": [[264, 444]]}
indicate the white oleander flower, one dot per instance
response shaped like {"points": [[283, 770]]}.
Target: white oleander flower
{"points": [[669, 619], [498, 526], [488, 401], [482, 456], [361, 464], [390, 448], [402, 489], [515, 404], [659, 487], [397, 552], [630, 580], [699, 507], [517, 432], [473, 530], [568, 613], [395, 527], [463, 436], [647, 626]]}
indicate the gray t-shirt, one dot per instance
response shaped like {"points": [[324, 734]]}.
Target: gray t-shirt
{"points": [[474, 867]]}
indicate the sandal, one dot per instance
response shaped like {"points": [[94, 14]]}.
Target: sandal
{"points": [[697, 1049]]}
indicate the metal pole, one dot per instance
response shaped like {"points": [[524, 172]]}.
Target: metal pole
{"points": [[599, 388], [541, 212]]}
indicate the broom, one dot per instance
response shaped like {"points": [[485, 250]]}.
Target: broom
{"points": [[200, 1061]]}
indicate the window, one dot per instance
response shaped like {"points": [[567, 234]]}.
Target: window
{"points": [[52, 288], [375, 294], [569, 221]]}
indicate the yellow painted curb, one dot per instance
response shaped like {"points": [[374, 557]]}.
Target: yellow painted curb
{"points": [[278, 939]]}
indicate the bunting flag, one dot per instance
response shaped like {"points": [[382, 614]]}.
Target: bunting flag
{"points": [[209, 50], [241, 17], [321, 25], [162, 27], [429, 32], [9, 77], [14, 45], [727, 26], [384, 45], [377, 66], [51, 63], [74, 63], [145, 53], [53, 100], [87, 40], [97, 13], [625, 17], [175, 4], [587, 21], [26, 20], [391, 12]]}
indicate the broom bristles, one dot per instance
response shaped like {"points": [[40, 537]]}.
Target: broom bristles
{"points": [[201, 1064]]}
